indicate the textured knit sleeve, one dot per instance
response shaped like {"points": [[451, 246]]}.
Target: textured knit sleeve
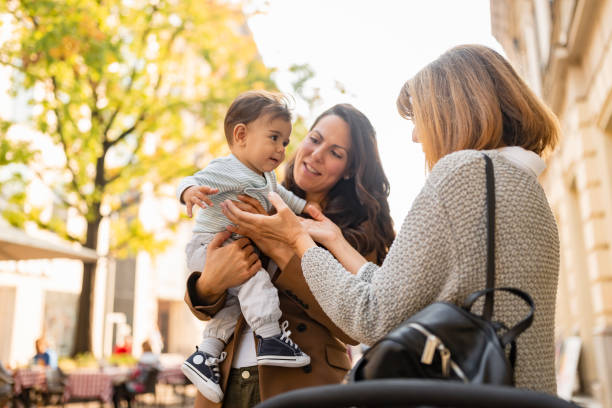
{"points": [[367, 271], [294, 202], [368, 305], [218, 174]]}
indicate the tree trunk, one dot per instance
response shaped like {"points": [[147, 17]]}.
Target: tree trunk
{"points": [[83, 340]]}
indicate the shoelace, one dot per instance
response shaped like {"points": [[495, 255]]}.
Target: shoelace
{"points": [[213, 363], [285, 335]]}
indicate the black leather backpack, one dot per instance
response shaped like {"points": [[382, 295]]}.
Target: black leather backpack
{"points": [[445, 341]]}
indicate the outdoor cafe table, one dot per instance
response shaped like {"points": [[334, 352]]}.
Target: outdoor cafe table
{"points": [[171, 375], [89, 385], [29, 377]]}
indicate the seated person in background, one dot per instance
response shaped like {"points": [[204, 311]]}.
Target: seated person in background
{"points": [[148, 359], [141, 379], [44, 356]]}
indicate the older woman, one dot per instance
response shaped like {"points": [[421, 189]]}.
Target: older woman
{"points": [[468, 102], [337, 166]]}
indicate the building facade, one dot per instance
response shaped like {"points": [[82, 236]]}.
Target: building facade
{"points": [[563, 49]]}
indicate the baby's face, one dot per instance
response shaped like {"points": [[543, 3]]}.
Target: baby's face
{"points": [[265, 143]]}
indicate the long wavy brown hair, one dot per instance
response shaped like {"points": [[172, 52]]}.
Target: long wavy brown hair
{"points": [[472, 98], [358, 205]]}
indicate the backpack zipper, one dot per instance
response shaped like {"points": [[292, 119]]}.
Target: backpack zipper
{"points": [[433, 343]]}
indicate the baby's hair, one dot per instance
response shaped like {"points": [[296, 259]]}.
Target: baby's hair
{"points": [[250, 105]]}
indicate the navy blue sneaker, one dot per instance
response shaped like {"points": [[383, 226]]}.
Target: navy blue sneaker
{"points": [[280, 350], [202, 370]]}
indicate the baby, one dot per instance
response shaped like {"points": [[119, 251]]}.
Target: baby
{"points": [[257, 127]]}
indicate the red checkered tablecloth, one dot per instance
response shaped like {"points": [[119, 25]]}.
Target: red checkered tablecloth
{"points": [[89, 386], [29, 378], [171, 375]]}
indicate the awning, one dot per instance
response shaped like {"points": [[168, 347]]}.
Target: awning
{"points": [[17, 245]]}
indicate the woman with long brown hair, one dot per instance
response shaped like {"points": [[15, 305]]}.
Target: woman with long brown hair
{"points": [[336, 166], [466, 103]]}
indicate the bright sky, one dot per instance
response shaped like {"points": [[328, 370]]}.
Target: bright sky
{"points": [[371, 48]]}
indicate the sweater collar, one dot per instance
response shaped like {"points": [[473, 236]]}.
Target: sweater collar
{"points": [[524, 159]]}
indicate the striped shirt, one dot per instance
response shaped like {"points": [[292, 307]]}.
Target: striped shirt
{"points": [[232, 177]]}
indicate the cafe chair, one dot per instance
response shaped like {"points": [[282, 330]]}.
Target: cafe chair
{"points": [[53, 393], [149, 387]]}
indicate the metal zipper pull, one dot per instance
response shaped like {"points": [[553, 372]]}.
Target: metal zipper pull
{"points": [[445, 356], [429, 349]]}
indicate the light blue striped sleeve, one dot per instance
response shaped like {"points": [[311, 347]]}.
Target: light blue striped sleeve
{"points": [[294, 202], [217, 175]]}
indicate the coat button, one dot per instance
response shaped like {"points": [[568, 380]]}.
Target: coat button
{"points": [[301, 327], [307, 369], [245, 374]]}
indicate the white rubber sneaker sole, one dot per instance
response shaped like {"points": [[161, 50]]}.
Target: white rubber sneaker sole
{"points": [[280, 361], [209, 389]]}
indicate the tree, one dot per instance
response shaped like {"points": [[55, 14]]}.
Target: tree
{"points": [[134, 92]]}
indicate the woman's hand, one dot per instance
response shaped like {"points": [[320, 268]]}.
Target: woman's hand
{"points": [[226, 266], [280, 252], [284, 226], [249, 204], [322, 230]]}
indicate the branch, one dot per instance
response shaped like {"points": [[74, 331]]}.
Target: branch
{"points": [[63, 141], [95, 113], [17, 67], [110, 121], [130, 162], [63, 199], [109, 144], [134, 198], [127, 90], [33, 18]]}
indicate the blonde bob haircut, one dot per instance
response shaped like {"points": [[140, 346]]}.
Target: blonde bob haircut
{"points": [[472, 98]]}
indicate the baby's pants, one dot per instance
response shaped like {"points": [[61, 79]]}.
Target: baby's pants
{"points": [[256, 298]]}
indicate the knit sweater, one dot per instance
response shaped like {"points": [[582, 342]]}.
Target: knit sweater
{"points": [[440, 255]]}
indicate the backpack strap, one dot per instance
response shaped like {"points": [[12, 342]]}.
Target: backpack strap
{"points": [[487, 313], [509, 336]]}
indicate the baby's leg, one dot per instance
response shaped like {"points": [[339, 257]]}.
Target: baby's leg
{"points": [[260, 306], [220, 328], [202, 367], [195, 251]]}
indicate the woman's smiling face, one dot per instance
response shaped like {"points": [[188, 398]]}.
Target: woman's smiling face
{"points": [[322, 158]]}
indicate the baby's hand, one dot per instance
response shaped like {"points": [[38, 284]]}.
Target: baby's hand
{"points": [[198, 195], [314, 210]]}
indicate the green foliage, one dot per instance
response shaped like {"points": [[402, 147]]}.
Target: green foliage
{"points": [[303, 74], [122, 360], [81, 360], [130, 237], [133, 92]]}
